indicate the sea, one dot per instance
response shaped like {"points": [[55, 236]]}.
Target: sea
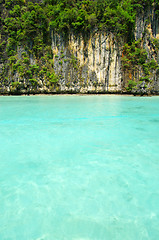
{"points": [[79, 167]]}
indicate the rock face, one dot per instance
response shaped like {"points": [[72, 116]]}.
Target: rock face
{"points": [[90, 64], [93, 65], [147, 29], [147, 20]]}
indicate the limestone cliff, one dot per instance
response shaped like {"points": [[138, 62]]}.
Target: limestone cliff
{"points": [[97, 63], [147, 34], [87, 66]]}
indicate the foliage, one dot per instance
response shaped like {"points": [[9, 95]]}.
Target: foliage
{"points": [[133, 55], [135, 59], [15, 84], [131, 85], [146, 79], [33, 81], [29, 23], [53, 78]]}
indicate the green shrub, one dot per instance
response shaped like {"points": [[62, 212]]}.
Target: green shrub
{"points": [[45, 69], [15, 84], [34, 68], [26, 60], [131, 85], [33, 81], [53, 78], [146, 79]]}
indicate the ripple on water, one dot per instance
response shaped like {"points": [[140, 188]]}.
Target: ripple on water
{"points": [[79, 168]]}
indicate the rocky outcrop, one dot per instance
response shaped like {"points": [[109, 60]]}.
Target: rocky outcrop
{"points": [[88, 64], [92, 65], [147, 30]]}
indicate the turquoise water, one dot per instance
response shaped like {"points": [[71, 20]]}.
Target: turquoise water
{"points": [[79, 168]]}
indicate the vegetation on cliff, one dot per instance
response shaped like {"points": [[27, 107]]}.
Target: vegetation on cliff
{"points": [[135, 62], [28, 24]]}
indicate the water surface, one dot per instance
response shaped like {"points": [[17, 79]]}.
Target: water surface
{"points": [[79, 168]]}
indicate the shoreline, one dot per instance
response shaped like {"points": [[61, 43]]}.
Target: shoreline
{"points": [[79, 94]]}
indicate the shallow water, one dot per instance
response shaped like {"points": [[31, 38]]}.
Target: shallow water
{"points": [[79, 168]]}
